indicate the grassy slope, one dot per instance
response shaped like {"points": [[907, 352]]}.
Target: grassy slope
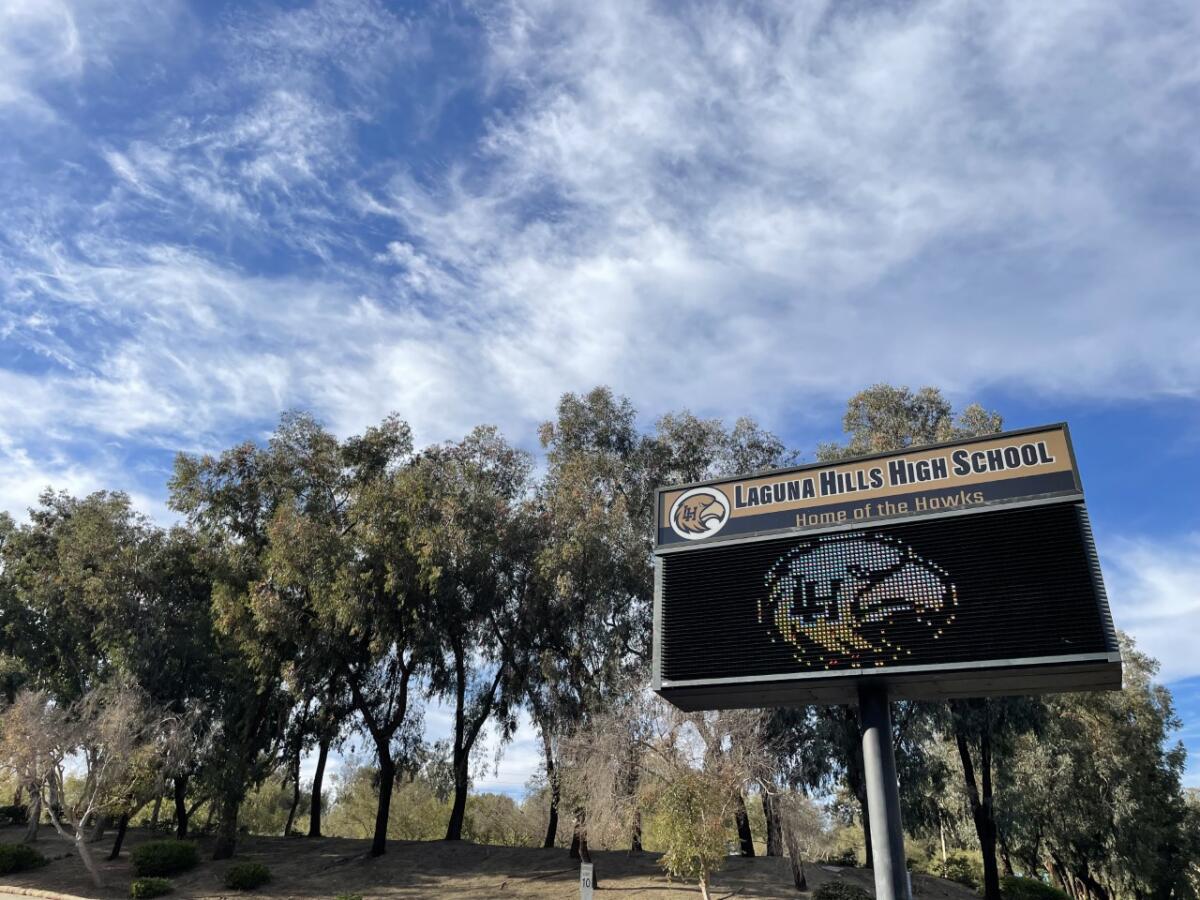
{"points": [[329, 866]]}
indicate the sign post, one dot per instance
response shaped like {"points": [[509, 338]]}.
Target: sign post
{"points": [[883, 794]]}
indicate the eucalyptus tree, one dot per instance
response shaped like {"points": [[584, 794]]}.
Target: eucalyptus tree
{"points": [[341, 585], [1096, 799], [75, 581], [177, 659], [231, 500], [595, 568], [596, 564], [474, 537]]}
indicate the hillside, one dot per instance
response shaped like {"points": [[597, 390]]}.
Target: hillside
{"points": [[411, 869]]}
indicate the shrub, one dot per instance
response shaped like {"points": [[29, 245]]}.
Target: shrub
{"points": [[14, 814], [149, 887], [19, 857], [965, 868], [247, 876], [1012, 888], [847, 857], [348, 897], [840, 890], [164, 858], [692, 832]]}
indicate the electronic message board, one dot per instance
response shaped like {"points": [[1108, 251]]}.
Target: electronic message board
{"points": [[960, 569]]}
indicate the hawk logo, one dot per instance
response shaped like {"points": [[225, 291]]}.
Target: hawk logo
{"points": [[699, 513], [855, 599]]}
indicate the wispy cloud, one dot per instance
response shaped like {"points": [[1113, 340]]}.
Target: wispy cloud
{"points": [[1154, 587], [688, 203]]}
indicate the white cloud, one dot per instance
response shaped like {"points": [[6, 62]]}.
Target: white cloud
{"points": [[688, 203], [46, 44], [1154, 588], [819, 200], [39, 41]]}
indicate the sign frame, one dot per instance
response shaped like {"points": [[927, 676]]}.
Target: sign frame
{"points": [[1076, 492], [992, 677]]}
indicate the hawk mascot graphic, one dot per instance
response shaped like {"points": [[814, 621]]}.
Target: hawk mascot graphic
{"points": [[695, 514], [846, 600]]}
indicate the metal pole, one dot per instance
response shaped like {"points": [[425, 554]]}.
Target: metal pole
{"points": [[883, 793]]}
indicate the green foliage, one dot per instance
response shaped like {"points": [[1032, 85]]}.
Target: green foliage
{"points": [[149, 887], [265, 809], [19, 858], [14, 814], [348, 896], [882, 418], [1100, 789], [1012, 888], [846, 857], [963, 866], [840, 890], [247, 876], [691, 824], [167, 857]]}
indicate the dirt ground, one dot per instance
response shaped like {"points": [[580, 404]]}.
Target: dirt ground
{"points": [[326, 867]]}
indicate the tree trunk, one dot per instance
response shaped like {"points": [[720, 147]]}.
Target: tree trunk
{"points": [[226, 842], [799, 877], [704, 888], [181, 810], [458, 811], [579, 843], [770, 806], [869, 858], [99, 825], [86, 855], [81, 847], [1005, 858], [856, 778], [635, 843], [387, 780], [35, 819], [122, 825], [157, 810], [942, 838], [555, 796], [981, 806], [742, 820], [291, 819], [314, 806]]}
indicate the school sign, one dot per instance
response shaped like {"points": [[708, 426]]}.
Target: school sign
{"points": [[959, 569]]}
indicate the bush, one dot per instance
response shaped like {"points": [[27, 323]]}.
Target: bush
{"points": [[965, 868], [840, 890], [348, 897], [847, 857], [164, 858], [19, 858], [149, 887], [1012, 888], [14, 814], [247, 876]]}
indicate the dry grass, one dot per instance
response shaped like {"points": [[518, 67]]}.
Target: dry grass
{"points": [[326, 867]]}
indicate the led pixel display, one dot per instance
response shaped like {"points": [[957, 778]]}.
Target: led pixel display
{"points": [[993, 599], [834, 598]]}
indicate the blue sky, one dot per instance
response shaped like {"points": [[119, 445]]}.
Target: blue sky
{"points": [[213, 212]]}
